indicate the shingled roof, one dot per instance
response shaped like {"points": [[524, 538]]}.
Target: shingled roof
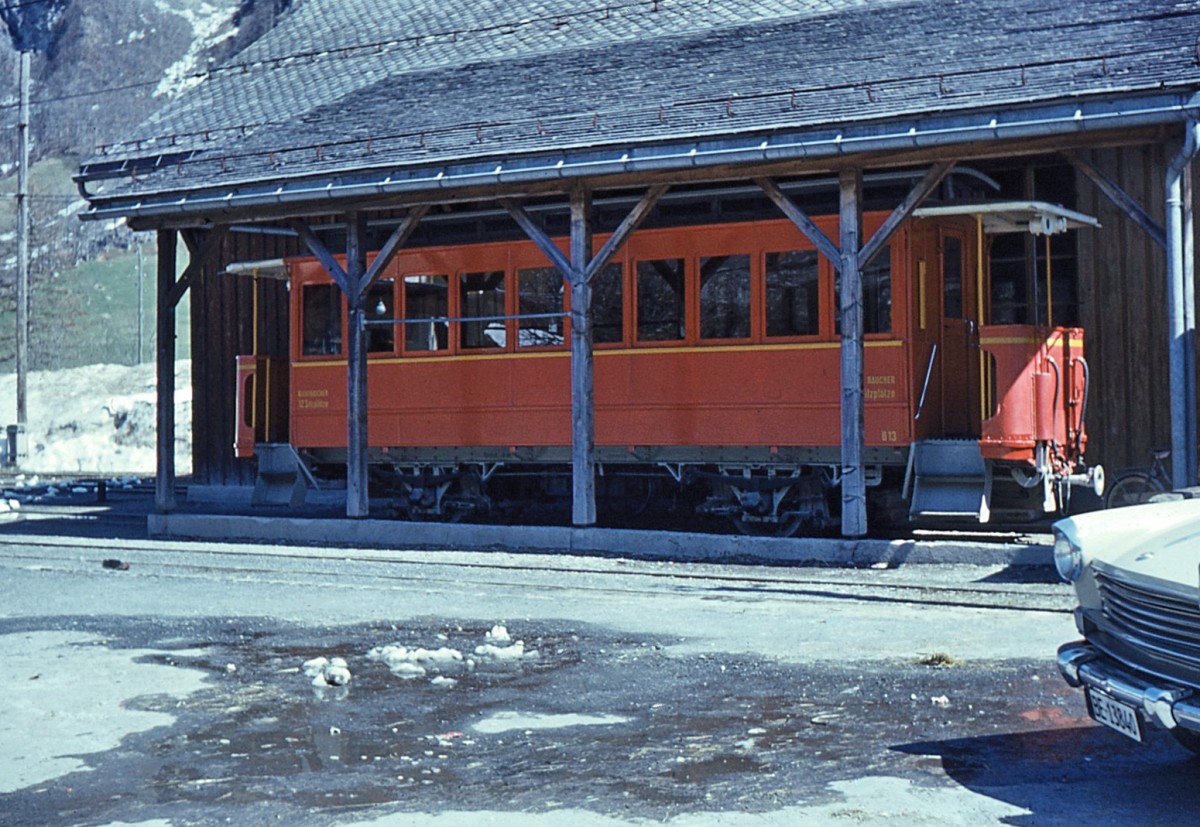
{"points": [[373, 96]]}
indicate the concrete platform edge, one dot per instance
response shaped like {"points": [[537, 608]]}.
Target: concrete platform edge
{"points": [[644, 545]]}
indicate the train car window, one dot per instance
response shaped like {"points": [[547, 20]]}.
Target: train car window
{"points": [[321, 319], [608, 309], [793, 294], [877, 295], [480, 296], [540, 291], [381, 307], [426, 298], [725, 297], [660, 300], [952, 277]]}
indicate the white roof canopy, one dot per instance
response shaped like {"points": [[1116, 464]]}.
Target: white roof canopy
{"points": [[1037, 217]]}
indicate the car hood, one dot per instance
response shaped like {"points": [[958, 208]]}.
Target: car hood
{"points": [[1159, 540]]}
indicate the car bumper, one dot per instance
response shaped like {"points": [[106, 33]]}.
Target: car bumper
{"points": [[1160, 702]]}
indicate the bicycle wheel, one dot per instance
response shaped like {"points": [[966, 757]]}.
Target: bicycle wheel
{"points": [[1131, 488]]}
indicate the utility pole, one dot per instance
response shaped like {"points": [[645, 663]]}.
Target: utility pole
{"points": [[23, 246], [139, 295]]}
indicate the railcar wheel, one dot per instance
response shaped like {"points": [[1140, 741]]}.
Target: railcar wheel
{"points": [[1187, 739], [1131, 488], [758, 528]]}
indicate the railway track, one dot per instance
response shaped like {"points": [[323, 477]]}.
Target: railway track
{"points": [[960, 586]]}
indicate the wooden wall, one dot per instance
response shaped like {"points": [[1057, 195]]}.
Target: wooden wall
{"points": [[222, 328], [1123, 307]]}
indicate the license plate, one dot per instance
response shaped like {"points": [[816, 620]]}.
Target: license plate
{"points": [[1114, 714]]}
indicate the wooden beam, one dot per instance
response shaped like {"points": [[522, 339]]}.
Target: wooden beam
{"points": [[396, 240], [200, 254], [583, 438], [164, 480], [920, 191], [798, 217], [1122, 200], [632, 221], [322, 254], [854, 490], [539, 237]]}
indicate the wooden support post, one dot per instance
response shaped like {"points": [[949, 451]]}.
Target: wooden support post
{"points": [[355, 280], [202, 249], [164, 480], [849, 256], [357, 496], [854, 490], [578, 270], [583, 435]]}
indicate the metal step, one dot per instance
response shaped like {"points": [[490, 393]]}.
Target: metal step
{"points": [[282, 477], [950, 480]]}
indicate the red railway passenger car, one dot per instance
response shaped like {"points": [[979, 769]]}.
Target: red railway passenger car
{"points": [[716, 377]]}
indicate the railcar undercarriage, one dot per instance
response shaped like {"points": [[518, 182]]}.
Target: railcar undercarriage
{"points": [[736, 487]]}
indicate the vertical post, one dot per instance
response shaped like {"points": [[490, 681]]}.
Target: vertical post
{"points": [[140, 300], [164, 481], [854, 492], [1189, 324], [357, 496], [23, 244], [583, 445], [1181, 341]]}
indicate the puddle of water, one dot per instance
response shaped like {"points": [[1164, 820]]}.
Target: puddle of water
{"points": [[696, 772], [509, 721]]}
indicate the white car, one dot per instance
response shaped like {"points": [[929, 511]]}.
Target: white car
{"points": [[1136, 573]]}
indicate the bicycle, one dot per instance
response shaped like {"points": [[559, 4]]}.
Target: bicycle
{"points": [[1134, 486]]}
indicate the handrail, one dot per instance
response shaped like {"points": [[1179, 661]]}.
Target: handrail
{"points": [[447, 319], [925, 386]]}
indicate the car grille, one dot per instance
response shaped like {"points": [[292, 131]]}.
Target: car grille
{"points": [[1167, 625]]}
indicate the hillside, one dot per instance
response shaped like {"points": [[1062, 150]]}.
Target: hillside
{"points": [[99, 67]]}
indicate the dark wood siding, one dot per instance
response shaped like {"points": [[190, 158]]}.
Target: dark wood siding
{"points": [[222, 328], [1123, 306]]}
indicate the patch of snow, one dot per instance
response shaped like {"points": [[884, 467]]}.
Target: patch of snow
{"points": [[529, 721], [72, 208], [503, 653], [872, 801], [211, 23], [97, 419], [70, 717], [416, 663]]}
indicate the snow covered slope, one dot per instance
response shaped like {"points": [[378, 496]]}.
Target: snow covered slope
{"points": [[98, 419]]}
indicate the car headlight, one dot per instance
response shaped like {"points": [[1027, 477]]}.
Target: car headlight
{"points": [[1068, 558]]}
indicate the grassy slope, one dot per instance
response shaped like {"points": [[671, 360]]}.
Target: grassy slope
{"points": [[86, 314]]}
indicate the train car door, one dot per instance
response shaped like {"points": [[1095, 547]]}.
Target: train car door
{"points": [[959, 365]]}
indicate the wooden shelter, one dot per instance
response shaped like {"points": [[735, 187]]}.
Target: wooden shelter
{"points": [[359, 125]]}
